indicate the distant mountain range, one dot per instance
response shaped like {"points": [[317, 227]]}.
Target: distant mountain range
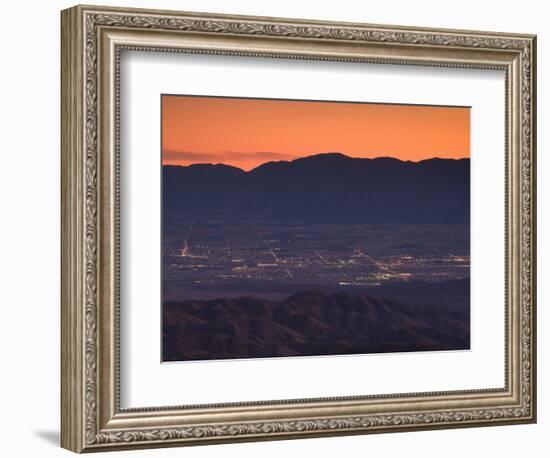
{"points": [[324, 188], [311, 322]]}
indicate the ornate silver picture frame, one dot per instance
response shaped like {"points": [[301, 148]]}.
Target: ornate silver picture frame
{"points": [[93, 39]]}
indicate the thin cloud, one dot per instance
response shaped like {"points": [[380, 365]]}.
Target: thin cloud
{"points": [[184, 156], [259, 155], [246, 160]]}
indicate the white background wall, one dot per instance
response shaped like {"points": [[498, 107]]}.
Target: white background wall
{"points": [[29, 229]]}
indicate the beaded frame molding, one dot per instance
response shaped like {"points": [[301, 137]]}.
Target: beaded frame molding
{"points": [[92, 40]]}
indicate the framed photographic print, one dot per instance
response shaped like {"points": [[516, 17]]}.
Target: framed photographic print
{"points": [[278, 228]]}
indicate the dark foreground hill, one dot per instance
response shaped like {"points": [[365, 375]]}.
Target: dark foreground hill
{"points": [[311, 322], [325, 188]]}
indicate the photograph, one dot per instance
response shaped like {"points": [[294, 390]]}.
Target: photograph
{"points": [[277, 226], [308, 228]]}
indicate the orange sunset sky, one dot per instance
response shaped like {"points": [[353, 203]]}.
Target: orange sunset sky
{"points": [[246, 133]]}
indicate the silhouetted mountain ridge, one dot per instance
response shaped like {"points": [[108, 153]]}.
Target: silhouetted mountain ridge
{"points": [[324, 188], [311, 322]]}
